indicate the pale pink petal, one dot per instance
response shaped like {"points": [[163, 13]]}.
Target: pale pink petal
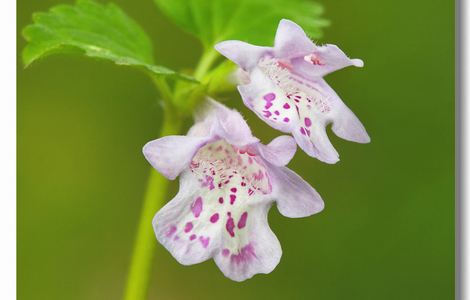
{"points": [[183, 227], [347, 126], [228, 182], [170, 155], [220, 211], [243, 54], [280, 151], [295, 197], [322, 61], [286, 89], [316, 143], [252, 250], [202, 126], [345, 123], [231, 126], [269, 102], [291, 41], [312, 105]]}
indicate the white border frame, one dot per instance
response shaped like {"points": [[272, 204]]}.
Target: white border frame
{"points": [[8, 150]]}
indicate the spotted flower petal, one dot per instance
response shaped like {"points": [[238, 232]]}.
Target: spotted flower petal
{"points": [[170, 155], [226, 189], [286, 89]]}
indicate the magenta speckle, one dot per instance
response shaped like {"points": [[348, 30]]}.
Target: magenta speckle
{"points": [[232, 198], [308, 122], [171, 231], [230, 225], [208, 182], [214, 218], [204, 241], [196, 207], [242, 222], [286, 106], [246, 254], [225, 252], [276, 112], [269, 97], [188, 227], [192, 237], [258, 176], [267, 113], [302, 131], [286, 120], [221, 200], [233, 190]]}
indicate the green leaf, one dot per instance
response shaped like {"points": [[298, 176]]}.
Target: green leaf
{"points": [[253, 21], [96, 30]]}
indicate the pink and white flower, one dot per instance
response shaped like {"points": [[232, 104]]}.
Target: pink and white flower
{"points": [[228, 182], [287, 89]]}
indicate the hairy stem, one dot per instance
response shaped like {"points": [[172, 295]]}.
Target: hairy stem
{"points": [[155, 196]]}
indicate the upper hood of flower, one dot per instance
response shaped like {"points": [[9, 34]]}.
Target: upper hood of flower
{"points": [[293, 47]]}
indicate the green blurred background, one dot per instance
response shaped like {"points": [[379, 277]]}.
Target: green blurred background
{"points": [[387, 231]]}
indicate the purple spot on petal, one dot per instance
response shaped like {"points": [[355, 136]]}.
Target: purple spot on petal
{"points": [[266, 113], [196, 207], [258, 176], [230, 225], [233, 190], [214, 218], [221, 200], [192, 237], [171, 231], [225, 252], [308, 122], [269, 97], [204, 241], [208, 182], [286, 120], [246, 254], [242, 222], [286, 106], [232, 198], [302, 131], [188, 227], [276, 112]]}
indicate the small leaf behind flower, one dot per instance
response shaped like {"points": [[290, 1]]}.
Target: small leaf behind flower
{"points": [[100, 31], [253, 21]]}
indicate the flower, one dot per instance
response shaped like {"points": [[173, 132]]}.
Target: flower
{"points": [[287, 89], [228, 182]]}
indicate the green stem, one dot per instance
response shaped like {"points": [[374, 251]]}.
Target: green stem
{"points": [[207, 59], [145, 242]]}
